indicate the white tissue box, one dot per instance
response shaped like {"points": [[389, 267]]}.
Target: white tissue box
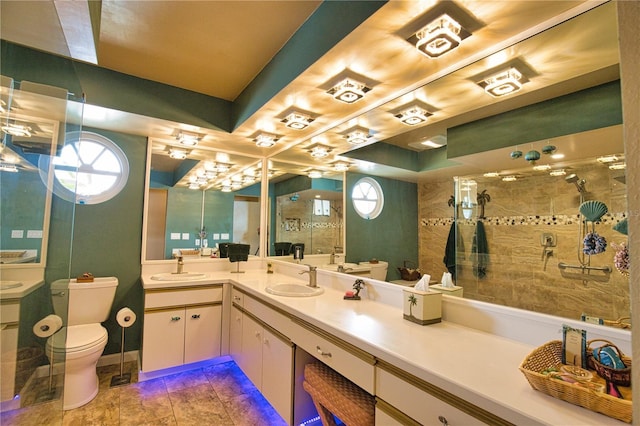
{"points": [[422, 307], [456, 290]]}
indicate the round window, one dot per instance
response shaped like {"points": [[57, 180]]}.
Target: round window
{"points": [[90, 169], [367, 198]]}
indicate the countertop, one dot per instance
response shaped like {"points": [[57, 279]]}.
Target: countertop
{"points": [[19, 292], [479, 367]]}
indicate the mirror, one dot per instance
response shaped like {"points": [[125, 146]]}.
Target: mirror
{"points": [[304, 210], [197, 202]]}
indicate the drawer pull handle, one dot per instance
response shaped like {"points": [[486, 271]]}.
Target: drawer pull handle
{"points": [[323, 353], [443, 420], [175, 318], [236, 298], [195, 316]]}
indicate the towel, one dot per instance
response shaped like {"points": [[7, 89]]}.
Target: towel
{"points": [[455, 244], [480, 251]]}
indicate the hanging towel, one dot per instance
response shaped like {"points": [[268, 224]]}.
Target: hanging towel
{"points": [[455, 246], [480, 251]]}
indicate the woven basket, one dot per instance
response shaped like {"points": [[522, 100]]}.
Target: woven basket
{"points": [[619, 376], [409, 274], [549, 355]]}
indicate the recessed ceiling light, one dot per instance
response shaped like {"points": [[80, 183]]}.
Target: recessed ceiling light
{"points": [[413, 115], [440, 36], [265, 140], [607, 159], [341, 167], [358, 136], [319, 151], [177, 153], [348, 91], [297, 121], [559, 172], [194, 185], [491, 174], [314, 174], [503, 83], [542, 167], [188, 138], [226, 188]]}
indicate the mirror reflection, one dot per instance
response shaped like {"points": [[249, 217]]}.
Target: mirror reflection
{"points": [[199, 201]]}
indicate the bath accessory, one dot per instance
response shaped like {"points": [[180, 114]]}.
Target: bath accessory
{"points": [[357, 286], [480, 251], [409, 274], [609, 362], [593, 210], [446, 280], [453, 249], [422, 307], [46, 327], [313, 276], [594, 244], [87, 277], [125, 317], [423, 283], [621, 258]]}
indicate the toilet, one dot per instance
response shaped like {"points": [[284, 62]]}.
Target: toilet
{"points": [[81, 340], [378, 270]]}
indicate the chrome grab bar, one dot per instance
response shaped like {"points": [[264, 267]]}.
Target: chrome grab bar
{"points": [[563, 265]]}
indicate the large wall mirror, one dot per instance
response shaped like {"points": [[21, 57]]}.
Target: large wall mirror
{"points": [[198, 199], [305, 208]]}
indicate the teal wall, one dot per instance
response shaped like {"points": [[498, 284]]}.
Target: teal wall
{"points": [[392, 236]]}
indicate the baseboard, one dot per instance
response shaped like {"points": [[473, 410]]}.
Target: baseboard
{"points": [[148, 375], [115, 358]]}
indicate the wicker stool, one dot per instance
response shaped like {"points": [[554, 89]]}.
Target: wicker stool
{"points": [[334, 394]]}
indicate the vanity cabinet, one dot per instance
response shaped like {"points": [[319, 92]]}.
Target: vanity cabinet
{"points": [[181, 326], [265, 355], [10, 316]]}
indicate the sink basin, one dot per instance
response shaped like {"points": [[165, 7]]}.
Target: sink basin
{"points": [[6, 285], [294, 290], [172, 276]]}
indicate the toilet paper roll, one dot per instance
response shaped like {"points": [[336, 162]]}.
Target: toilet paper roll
{"points": [[47, 326], [126, 317]]}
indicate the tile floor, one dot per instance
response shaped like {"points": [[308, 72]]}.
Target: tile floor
{"points": [[214, 395]]}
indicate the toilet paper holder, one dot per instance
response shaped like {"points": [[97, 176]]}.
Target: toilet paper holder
{"points": [[125, 318]]}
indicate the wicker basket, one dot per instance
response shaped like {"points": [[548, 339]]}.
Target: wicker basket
{"points": [[549, 355], [409, 274], [619, 376]]}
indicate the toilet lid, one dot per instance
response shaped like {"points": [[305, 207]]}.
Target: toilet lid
{"points": [[78, 337]]}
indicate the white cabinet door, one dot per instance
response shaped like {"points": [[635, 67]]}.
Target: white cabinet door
{"points": [[203, 329], [251, 360], [163, 339], [277, 375], [235, 335]]}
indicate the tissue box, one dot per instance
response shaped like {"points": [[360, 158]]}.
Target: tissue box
{"points": [[422, 307], [456, 290]]}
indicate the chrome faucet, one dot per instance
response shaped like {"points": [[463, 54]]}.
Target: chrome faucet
{"points": [[313, 276], [341, 268], [332, 258], [180, 265]]}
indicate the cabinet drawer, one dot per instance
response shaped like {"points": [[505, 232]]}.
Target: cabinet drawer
{"points": [[237, 297], [352, 363], [267, 315], [180, 296], [414, 401]]}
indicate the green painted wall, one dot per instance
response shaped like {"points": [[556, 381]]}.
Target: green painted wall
{"points": [[392, 236]]}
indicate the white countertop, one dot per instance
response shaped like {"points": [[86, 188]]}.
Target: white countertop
{"points": [[19, 292], [479, 367]]}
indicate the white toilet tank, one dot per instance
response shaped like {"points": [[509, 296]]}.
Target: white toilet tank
{"points": [[88, 303]]}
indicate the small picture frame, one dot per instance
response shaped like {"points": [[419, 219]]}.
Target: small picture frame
{"points": [[574, 346]]}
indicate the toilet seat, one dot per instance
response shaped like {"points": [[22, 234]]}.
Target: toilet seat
{"points": [[78, 338]]}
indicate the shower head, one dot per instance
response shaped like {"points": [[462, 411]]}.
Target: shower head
{"points": [[573, 178]]}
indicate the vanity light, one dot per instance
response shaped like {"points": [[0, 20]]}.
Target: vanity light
{"points": [[341, 167], [265, 140], [319, 151], [491, 174], [357, 136], [297, 121], [438, 37], [8, 168], [178, 154], [559, 172], [348, 91], [17, 130], [618, 166], [607, 159], [510, 178], [188, 139], [542, 168], [314, 174], [413, 115], [503, 83]]}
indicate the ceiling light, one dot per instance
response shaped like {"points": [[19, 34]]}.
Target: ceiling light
{"points": [[265, 140], [438, 37], [319, 151], [348, 91], [607, 159], [491, 174], [413, 115], [178, 154], [559, 172], [8, 168], [510, 178], [358, 136], [431, 144], [17, 130], [542, 168], [341, 167], [226, 188], [236, 185], [194, 185], [248, 179], [297, 121], [188, 139], [557, 156], [314, 174], [618, 166], [201, 180], [222, 168], [210, 174], [503, 83]]}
